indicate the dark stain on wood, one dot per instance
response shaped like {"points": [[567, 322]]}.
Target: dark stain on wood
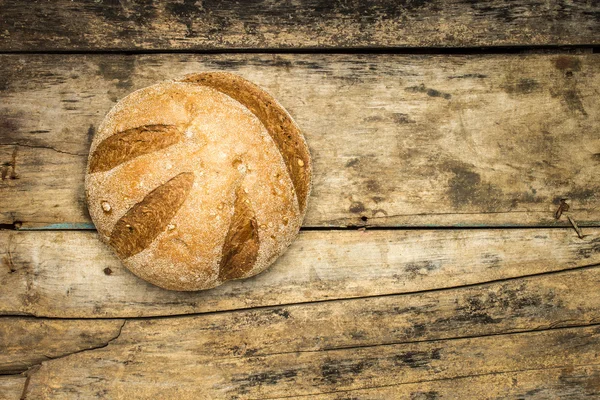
{"points": [[417, 359], [527, 197], [565, 63], [522, 86], [373, 185], [501, 11], [357, 207], [431, 395], [282, 312], [474, 310], [430, 92], [491, 260], [592, 248], [353, 162], [401, 119], [334, 372], [417, 268], [185, 12], [582, 194], [121, 71], [516, 301], [466, 188], [91, 132], [573, 100], [264, 378], [124, 13]]}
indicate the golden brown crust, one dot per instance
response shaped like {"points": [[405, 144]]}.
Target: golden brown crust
{"points": [[274, 117], [183, 180]]}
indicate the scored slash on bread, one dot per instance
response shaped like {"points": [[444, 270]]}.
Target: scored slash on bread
{"points": [[279, 124], [198, 181]]}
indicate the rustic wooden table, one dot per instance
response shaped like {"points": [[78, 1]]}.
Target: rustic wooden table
{"points": [[431, 265]]}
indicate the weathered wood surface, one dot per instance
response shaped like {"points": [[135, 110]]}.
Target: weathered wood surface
{"points": [[396, 140], [172, 365], [528, 304], [71, 274], [11, 387], [571, 383], [28, 341], [322, 24]]}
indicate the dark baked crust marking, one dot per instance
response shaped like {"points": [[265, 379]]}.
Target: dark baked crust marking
{"points": [[241, 243], [148, 218], [283, 130], [132, 143]]}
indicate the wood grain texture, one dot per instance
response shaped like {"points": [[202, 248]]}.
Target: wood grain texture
{"points": [[11, 387], [321, 24], [396, 140], [72, 274], [27, 341], [160, 365], [571, 383], [534, 303]]}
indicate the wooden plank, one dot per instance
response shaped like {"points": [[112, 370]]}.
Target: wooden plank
{"points": [[321, 24], [71, 274], [396, 140], [556, 383], [534, 303], [26, 341], [11, 387], [165, 366]]}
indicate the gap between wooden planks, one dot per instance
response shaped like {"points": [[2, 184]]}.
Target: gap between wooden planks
{"points": [[319, 24], [397, 140]]}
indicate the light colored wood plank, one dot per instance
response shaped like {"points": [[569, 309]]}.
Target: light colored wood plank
{"points": [[396, 140], [171, 368], [571, 383], [84, 25], [26, 341], [11, 387], [533, 303], [71, 274]]}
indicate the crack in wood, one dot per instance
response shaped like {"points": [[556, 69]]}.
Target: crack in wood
{"points": [[30, 369]]}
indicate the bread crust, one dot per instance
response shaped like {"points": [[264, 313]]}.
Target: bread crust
{"points": [[220, 198]]}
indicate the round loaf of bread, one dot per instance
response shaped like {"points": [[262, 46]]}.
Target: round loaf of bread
{"points": [[198, 181]]}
